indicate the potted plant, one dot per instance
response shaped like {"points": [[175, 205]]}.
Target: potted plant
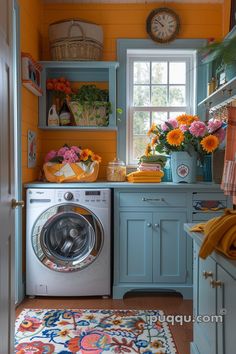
{"points": [[225, 49], [185, 139], [90, 106]]}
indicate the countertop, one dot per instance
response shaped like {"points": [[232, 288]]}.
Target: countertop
{"points": [[225, 262], [126, 185]]}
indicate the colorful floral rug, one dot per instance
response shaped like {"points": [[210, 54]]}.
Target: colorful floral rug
{"points": [[41, 331]]}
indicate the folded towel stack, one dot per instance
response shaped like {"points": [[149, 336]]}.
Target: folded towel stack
{"points": [[220, 234], [145, 176], [143, 166]]}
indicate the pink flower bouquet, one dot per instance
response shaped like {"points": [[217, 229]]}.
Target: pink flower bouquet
{"points": [[186, 132], [71, 164]]}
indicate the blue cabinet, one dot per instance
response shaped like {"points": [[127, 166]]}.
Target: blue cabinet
{"points": [[150, 246], [151, 249], [135, 247], [214, 293], [169, 247], [226, 295], [204, 303]]}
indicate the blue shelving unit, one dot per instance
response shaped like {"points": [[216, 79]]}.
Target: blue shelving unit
{"points": [[90, 71]]}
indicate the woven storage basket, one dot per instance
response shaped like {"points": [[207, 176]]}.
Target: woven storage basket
{"points": [[75, 40]]}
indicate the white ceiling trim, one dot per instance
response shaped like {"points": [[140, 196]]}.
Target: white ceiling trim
{"points": [[127, 1]]}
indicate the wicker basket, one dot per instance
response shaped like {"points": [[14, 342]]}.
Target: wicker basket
{"points": [[85, 43]]}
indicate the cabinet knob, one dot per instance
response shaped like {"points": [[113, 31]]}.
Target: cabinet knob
{"points": [[149, 224], [216, 283], [207, 274], [157, 225]]}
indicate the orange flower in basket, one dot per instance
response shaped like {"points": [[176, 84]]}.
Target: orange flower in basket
{"points": [[175, 137], [86, 153], [97, 158], [210, 143]]}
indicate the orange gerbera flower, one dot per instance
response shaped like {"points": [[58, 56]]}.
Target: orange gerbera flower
{"points": [[84, 155], [175, 137], [96, 157], [185, 119], [210, 143], [152, 129]]}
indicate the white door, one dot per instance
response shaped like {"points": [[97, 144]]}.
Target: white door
{"points": [[7, 236]]}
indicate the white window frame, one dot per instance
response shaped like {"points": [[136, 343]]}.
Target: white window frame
{"points": [[134, 55]]}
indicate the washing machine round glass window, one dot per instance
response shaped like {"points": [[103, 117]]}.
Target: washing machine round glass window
{"points": [[67, 238]]}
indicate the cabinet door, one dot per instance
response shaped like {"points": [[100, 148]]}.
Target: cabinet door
{"points": [[135, 247], [204, 304], [169, 247], [226, 296]]}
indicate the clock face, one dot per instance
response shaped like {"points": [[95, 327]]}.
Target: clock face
{"points": [[163, 25]]}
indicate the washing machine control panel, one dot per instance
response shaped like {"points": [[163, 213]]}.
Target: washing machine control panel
{"points": [[93, 197]]}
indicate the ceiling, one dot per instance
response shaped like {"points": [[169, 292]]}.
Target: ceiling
{"points": [[128, 1]]}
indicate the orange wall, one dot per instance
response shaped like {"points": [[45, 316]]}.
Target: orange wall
{"points": [[30, 22], [30, 15], [121, 21], [128, 21], [226, 16]]}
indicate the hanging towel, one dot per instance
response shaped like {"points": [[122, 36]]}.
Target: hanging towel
{"points": [[220, 235], [228, 183]]}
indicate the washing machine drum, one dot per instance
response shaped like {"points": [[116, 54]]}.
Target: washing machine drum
{"points": [[67, 238]]}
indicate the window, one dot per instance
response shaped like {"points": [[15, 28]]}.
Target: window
{"points": [[160, 85]]}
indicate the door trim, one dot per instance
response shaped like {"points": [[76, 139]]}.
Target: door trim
{"points": [[19, 282]]}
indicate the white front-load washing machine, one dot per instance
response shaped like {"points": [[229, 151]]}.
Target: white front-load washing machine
{"points": [[68, 242]]}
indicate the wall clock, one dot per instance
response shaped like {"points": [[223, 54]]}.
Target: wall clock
{"points": [[163, 25]]}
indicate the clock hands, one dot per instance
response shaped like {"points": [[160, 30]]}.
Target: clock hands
{"points": [[156, 20]]}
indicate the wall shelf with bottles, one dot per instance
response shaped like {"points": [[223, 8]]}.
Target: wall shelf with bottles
{"points": [[89, 72], [221, 97], [222, 71]]}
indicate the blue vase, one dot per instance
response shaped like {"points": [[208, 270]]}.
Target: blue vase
{"points": [[183, 166], [207, 169]]}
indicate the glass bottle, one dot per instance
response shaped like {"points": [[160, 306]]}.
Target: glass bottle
{"points": [[65, 115]]}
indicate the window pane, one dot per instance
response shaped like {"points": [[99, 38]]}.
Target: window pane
{"points": [[139, 146], [141, 122], [159, 96], [141, 73], [159, 117], [175, 114], [159, 73], [177, 73], [177, 95], [141, 95]]}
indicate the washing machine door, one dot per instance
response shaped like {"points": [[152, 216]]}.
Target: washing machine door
{"points": [[67, 237]]}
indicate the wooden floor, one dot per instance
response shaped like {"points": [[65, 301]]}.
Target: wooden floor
{"points": [[172, 305]]}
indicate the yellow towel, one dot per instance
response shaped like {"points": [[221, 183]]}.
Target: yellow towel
{"points": [[144, 180], [159, 173], [220, 234]]}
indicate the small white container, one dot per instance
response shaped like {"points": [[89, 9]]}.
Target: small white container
{"points": [[53, 118], [116, 171]]}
